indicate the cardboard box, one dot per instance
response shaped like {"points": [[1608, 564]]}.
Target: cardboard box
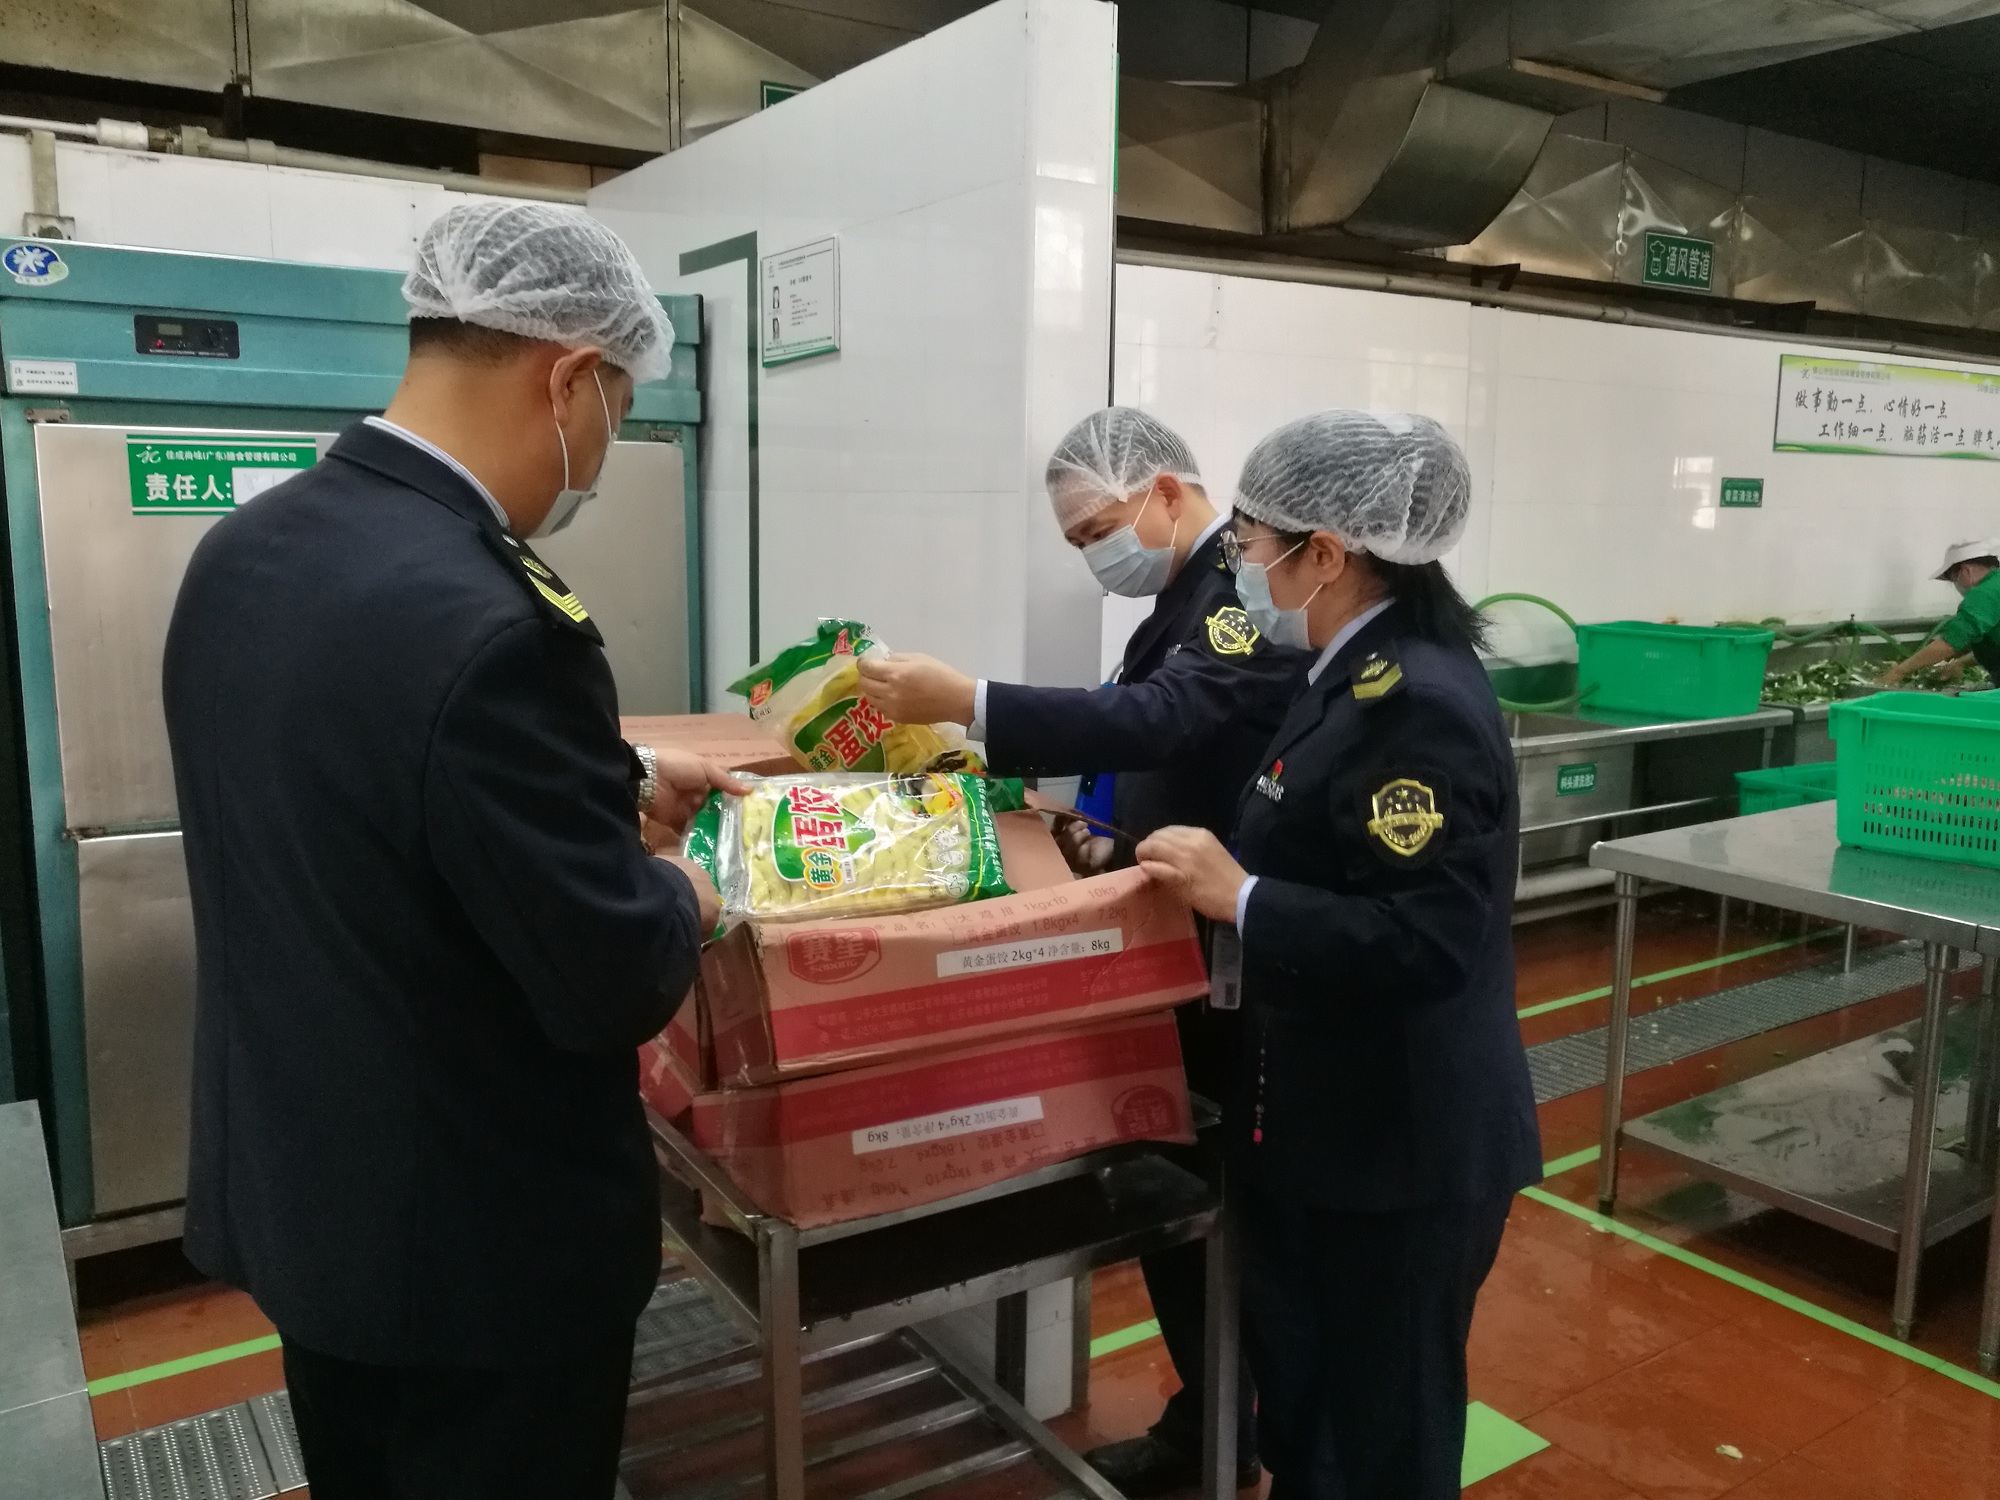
{"points": [[913, 1131], [663, 1082], [731, 741], [792, 999]]}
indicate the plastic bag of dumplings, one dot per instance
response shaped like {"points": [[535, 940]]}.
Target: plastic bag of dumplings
{"points": [[811, 695], [840, 844]]}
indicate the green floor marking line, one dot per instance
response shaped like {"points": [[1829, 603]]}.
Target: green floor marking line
{"points": [[1681, 973], [1569, 1163], [1124, 1338], [151, 1373], [1493, 1443], [1770, 1293]]}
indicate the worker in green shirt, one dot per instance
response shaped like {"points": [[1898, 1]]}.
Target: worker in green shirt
{"points": [[1973, 568]]}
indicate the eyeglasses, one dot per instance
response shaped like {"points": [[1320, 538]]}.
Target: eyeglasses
{"points": [[1232, 548]]}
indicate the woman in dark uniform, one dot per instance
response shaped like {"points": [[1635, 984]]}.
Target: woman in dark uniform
{"points": [[1386, 1115]]}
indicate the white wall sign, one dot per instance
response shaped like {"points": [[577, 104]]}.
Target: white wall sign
{"points": [[799, 312], [1910, 411]]}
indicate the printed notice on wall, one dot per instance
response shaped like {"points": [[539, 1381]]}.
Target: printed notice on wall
{"points": [[800, 314], [1856, 406]]}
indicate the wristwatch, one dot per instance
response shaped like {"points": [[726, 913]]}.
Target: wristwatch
{"points": [[649, 777]]}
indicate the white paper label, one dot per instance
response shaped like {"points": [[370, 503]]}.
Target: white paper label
{"points": [[41, 377], [951, 1122], [250, 483], [1024, 952], [1225, 969]]}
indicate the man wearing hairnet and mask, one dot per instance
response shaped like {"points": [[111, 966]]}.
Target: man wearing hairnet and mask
{"points": [[428, 936], [1385, 1118], [1199, 694]]}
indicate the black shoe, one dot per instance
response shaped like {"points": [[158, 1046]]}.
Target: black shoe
{"points": [[1144, 1468]]}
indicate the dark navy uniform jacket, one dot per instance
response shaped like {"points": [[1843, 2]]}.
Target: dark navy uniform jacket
{"points": [[1383, 1066], [428, 939], [1199, 695]]}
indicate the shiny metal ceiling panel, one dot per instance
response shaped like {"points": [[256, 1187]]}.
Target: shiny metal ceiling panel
{"points": [[1564, 220], [187, 44], [1664, 199], [599, 77], [1668, 43], [1789, 252]]}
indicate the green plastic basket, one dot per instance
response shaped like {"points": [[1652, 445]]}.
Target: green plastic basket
{"points": [[1672, 671], [1920, 775], [1784, 786]]}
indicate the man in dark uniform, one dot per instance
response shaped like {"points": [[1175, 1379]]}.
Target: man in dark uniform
{"points": [[1199, 695], [428, 937]]}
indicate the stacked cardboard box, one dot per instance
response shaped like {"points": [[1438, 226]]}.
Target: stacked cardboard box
{"points": [[843, 1068]]}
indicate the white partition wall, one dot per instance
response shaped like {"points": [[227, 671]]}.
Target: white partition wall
{"points": [[1597, 451], [967, 178]]}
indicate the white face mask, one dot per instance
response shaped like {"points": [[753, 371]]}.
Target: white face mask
{"points": [[1281, 627], [1125, 566], [569, 501]]}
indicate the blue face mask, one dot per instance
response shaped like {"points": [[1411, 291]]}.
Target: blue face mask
{"points": [[1281, 627], [1125, 566]]}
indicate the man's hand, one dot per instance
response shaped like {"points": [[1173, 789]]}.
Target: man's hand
{"points": [[1088, 853], [911, 689], [1193, 862], [1935, 654], [704, 891], [684, 782]]}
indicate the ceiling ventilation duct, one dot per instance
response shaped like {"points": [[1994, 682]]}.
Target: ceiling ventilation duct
{"points": [[1365, 136]]}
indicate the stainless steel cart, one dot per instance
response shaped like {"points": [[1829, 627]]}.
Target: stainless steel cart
{"points": [[1847, 1138], [801, 1292]]}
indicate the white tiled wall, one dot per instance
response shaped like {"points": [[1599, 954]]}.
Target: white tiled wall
{"points": [[227, 208], [1596, 450], [968, 177]]}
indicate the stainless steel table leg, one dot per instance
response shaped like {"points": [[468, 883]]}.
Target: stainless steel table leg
{"points": [[1220, 1358], [1010, 1345], [1983, 1097], [1721, 923], [1847, 950], [1626, 888], [778, 1315], [1989, 1314], [1939, 961]]}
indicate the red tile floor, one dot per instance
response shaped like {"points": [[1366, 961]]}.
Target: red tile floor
{"points": [[1648, 1377]]}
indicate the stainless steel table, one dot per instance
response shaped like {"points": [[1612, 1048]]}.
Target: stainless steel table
{"points": [[48, 1444], [800, 1292], [1779, 1145]]}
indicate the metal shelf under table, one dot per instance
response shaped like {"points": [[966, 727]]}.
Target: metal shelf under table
{"points": [[800, 1292], [1820, 1137]]}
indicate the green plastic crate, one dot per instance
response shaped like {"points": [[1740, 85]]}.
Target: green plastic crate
{"points": [[1672, 671], [1784, 786], [1920, 775]]}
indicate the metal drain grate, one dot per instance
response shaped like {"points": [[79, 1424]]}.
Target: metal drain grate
{"points": [[1570, 1064], [248, 1451], [682, 1326]]}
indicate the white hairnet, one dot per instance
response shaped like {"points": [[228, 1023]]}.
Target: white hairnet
{"points": [[1112, 455], [542, 271], [1391, 485]]}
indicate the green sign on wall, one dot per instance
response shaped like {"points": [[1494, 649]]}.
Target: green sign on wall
{"points": [[1677, 260], [178, 476], [1572, 781], [1742, 494]]}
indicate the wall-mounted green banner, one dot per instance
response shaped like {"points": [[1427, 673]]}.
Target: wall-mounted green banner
{"points": [[1908, 411]]}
